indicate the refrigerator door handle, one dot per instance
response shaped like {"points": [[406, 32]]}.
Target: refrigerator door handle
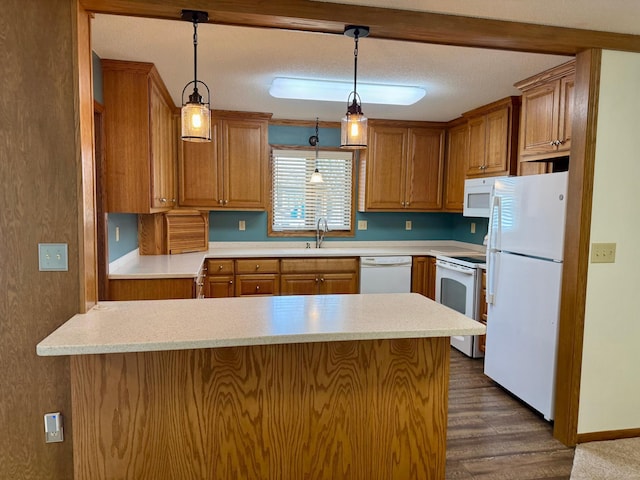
{"points": [[495, 224]]}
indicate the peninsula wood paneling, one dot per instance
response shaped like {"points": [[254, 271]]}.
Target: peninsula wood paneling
{"points": [[357, 409]]}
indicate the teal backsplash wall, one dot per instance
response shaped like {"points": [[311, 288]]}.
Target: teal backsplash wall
{"points": [[127, 223]]}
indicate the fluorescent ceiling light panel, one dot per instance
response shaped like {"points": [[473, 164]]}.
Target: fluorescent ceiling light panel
{"points": [[331, 91]]}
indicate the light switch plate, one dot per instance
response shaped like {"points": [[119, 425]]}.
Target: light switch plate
{"points": [[362, 224], [603, 253], [53, 257], [407, 225]]}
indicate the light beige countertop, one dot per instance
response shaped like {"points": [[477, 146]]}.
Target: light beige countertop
{"points": [[156, 325], [187, 265]]}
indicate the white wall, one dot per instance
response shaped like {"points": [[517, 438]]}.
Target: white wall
{"points": [[610, 388]]}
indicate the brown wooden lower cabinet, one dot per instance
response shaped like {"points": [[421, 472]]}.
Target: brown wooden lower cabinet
{"points": [[152, 289], [423, 276], [262, 284], [219, 286], [365, 410], [319, 276]]}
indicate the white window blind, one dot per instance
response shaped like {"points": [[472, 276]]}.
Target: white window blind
{"points": [[298, 204]]}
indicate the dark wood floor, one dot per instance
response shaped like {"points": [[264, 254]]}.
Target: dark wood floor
{"points": [[493, 436]]}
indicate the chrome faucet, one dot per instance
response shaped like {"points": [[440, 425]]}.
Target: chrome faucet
{"points": [[321, 229]]}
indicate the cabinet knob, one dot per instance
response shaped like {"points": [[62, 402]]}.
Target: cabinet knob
{"points": [[257, 288], [257, 266], [226, 201], [408, 203], [219, 267], [402, 204], [322, 279], [230, 282], [200, 284], [163, 200], [220, 202], [173, 200], [317, 279]]}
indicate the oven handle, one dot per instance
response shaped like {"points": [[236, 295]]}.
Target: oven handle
{"points": [[455, 268]]}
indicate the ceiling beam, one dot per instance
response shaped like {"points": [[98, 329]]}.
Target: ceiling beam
{"points": [[386, 23]]}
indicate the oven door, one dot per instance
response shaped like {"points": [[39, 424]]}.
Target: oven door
{"points": [[457, 288]]}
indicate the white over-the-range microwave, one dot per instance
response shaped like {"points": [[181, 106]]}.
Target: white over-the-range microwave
{"points": [[478, 196]]}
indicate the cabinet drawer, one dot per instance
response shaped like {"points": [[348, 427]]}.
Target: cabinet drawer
{"points": [[257, 265], [316, 265], [268, 284], [219, 267]]}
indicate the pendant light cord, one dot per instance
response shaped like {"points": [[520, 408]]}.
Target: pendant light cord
{"points": [[195, 53], [355, 61]]}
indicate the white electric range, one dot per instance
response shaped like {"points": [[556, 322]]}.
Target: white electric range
{"points": [[458, 286]]}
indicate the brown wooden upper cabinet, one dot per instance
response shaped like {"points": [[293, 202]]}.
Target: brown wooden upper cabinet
{"points": [[493, 138], [455, 166], [402, 169], [231, 171], [140, 139], [547, 110]]}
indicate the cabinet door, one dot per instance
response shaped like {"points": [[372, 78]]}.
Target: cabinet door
{"points": [[162, 151], [199, 181], [455, 168], [244, 163], [219, 286], [386, 168], [425, 169], [497, 141], [151, 289], [332, 283], [423, 276], [299, 284], [539, 122], [567, 85], [476, 146], [265, 284]]}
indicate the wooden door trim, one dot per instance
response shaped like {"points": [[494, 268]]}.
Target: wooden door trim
{"points": [[385, 23], [576, 247]]}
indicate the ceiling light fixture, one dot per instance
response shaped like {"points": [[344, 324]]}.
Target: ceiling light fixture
{"points": [[196, 114], [314, 140], [354, 123], [334, 91]]}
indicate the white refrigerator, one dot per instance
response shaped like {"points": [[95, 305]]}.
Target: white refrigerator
{"points": [[524, 271]]}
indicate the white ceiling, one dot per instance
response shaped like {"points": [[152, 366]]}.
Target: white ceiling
{"points": [[239, 63]]}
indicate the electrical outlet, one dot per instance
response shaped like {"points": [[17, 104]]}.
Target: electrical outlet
{"points": [[117, 234], [603, 253], [473, 227], [407, 225], [362, 224], [53, 257], [53, 431], [242, 226]]}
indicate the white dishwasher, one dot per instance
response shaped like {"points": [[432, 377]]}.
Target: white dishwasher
{"points": [[385, 274]]}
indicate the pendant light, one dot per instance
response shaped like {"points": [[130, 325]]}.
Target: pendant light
{"points": [[353, 132], [196, 114], [316, 176]]}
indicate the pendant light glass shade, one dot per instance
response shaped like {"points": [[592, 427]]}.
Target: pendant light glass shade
{"points": [[353, 128], [196, 112], [196, 118]]}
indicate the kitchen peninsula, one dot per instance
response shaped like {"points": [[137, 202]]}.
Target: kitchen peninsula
{"points": [[333, 386]]}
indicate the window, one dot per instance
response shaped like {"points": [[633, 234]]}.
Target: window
{"points": [[297, 204]]}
